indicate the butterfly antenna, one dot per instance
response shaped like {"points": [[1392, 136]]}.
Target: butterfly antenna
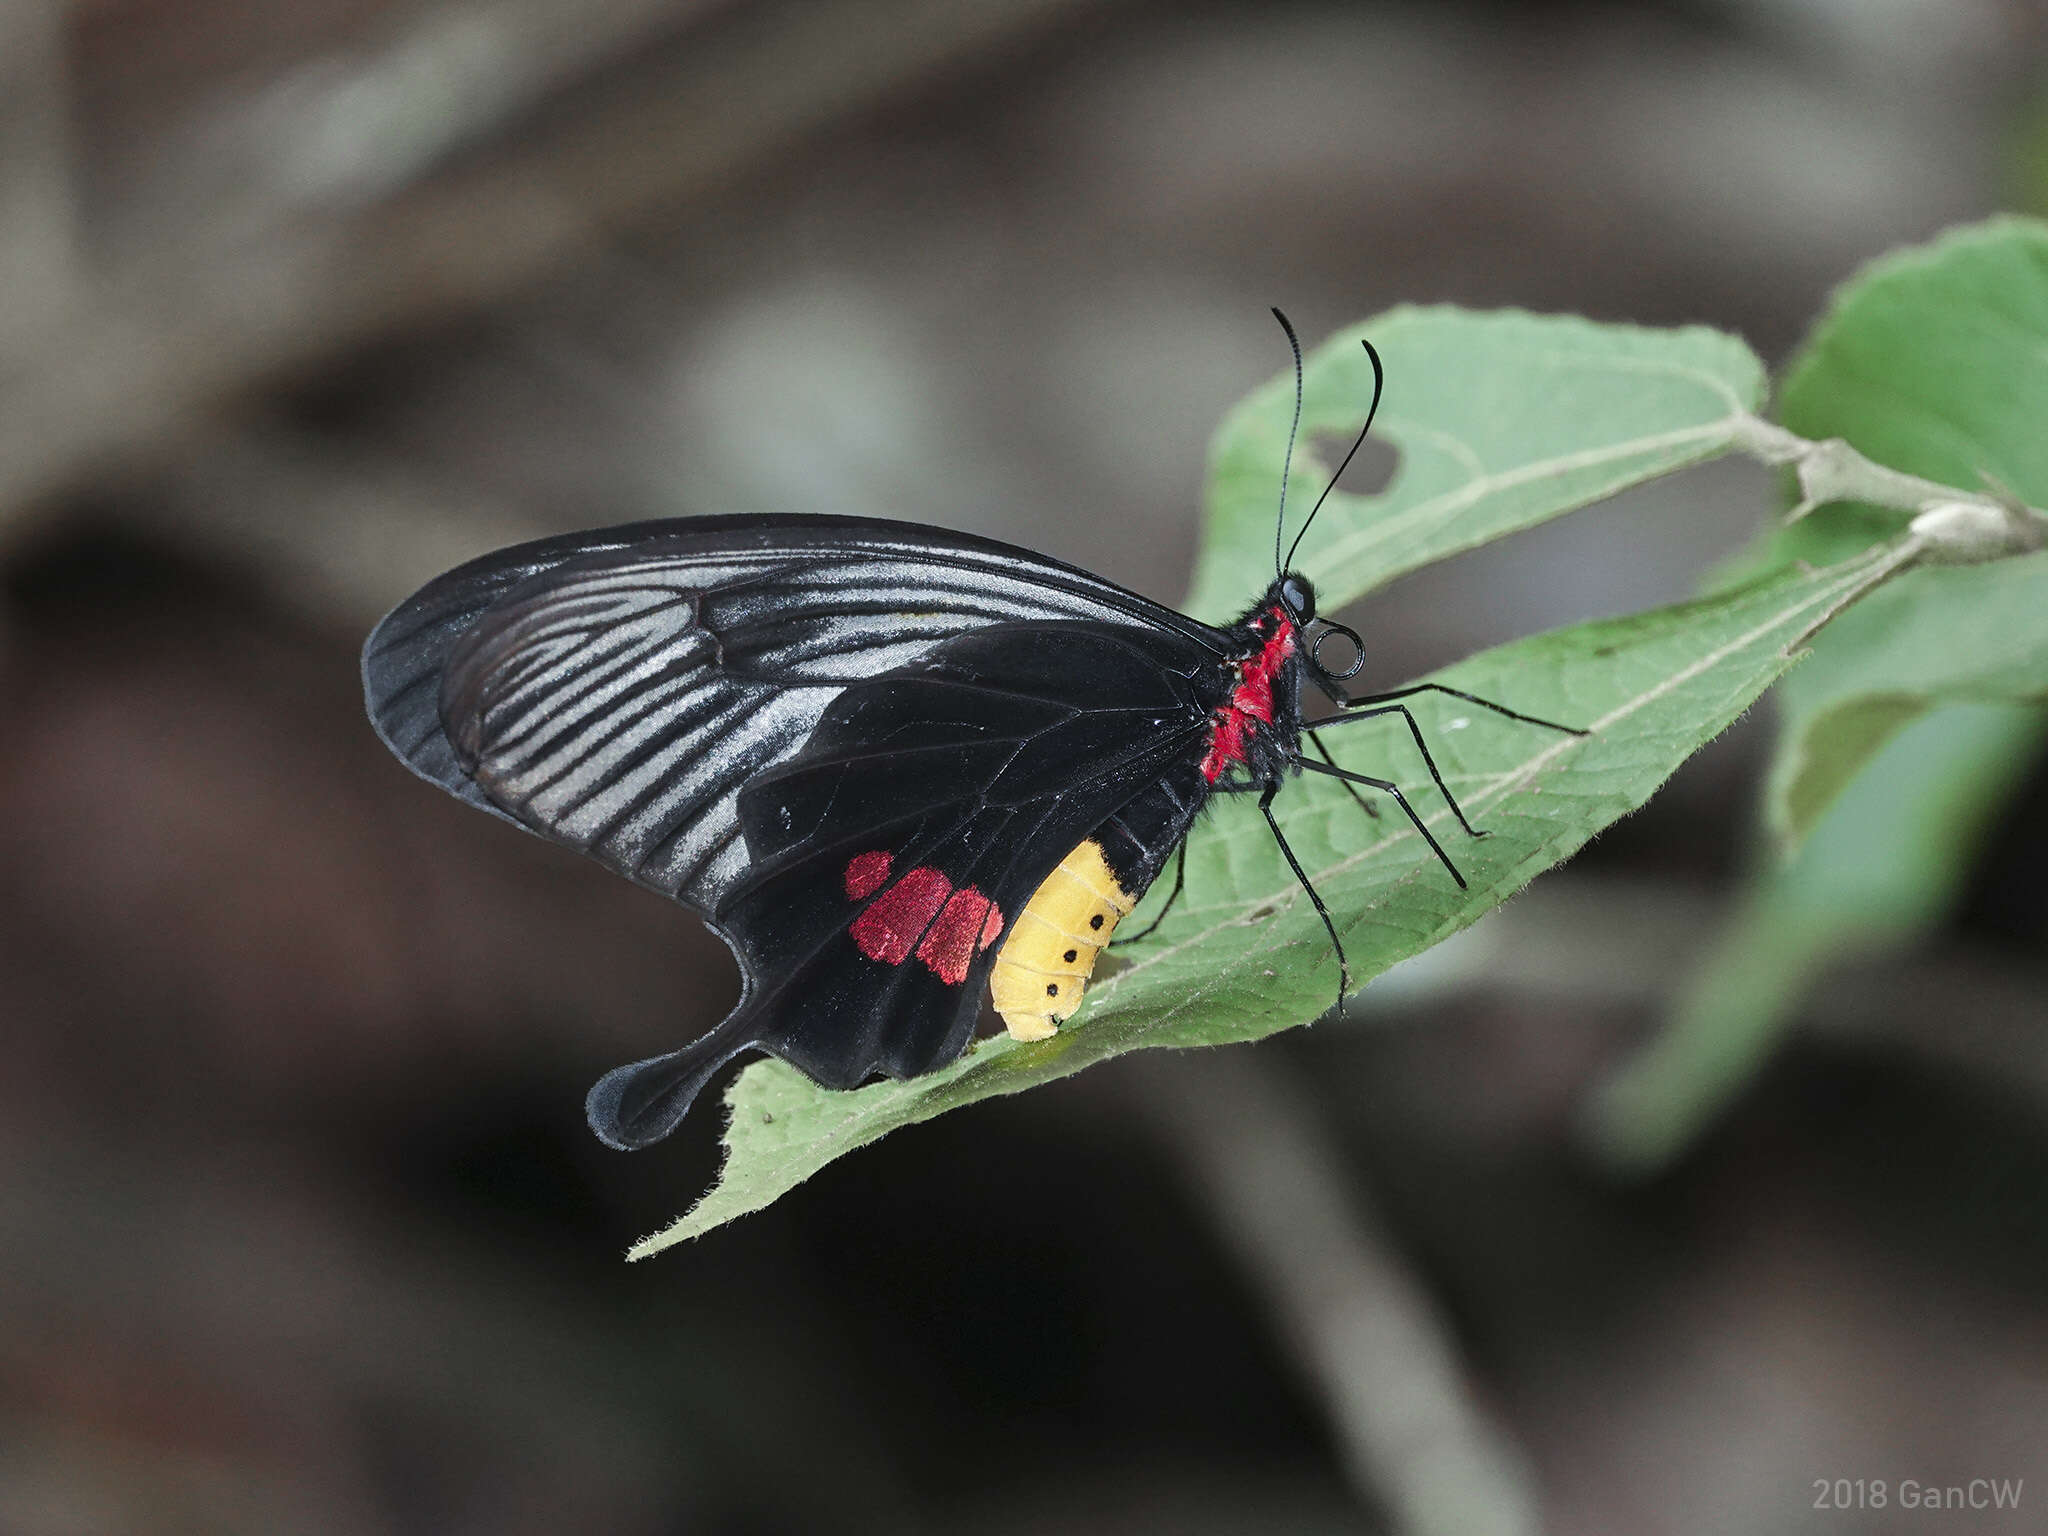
{"points": [[1287, 463], [1379, 380]]}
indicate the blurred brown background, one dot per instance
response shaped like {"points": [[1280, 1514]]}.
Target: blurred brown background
{"points": [[300, 303]]}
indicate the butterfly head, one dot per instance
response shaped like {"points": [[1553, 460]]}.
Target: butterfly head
{"points": [[1291, 603], [1299, 597]]}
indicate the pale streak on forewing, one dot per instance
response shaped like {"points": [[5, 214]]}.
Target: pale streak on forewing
{"points": [[609, 724], [850, 649], [542, 728], [766, 734], [595, 678], [971, 598], [545, 744], [731, 860], [609, 658], [580, 785], [659, 821], [747, 727]]}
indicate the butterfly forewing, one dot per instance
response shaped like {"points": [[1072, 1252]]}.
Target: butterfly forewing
{"points": [[615, 690]]}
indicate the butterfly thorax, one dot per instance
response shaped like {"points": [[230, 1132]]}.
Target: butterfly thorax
{"points": [[1255, 726], [1250, 736]]}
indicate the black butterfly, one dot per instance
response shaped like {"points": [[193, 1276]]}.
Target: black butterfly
{"points": [[887, 763]]}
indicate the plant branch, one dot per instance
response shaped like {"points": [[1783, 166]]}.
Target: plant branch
{"points": [[1358, 1322], [1949, 525]]}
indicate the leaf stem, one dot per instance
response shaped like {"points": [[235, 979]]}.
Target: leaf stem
{"points": [[1949, 525]]}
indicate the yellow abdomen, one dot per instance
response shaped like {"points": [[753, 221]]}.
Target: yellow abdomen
{"points": [[1045, 963]]}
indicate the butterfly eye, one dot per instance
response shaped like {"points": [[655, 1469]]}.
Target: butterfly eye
{"points": [[1300, 598]]}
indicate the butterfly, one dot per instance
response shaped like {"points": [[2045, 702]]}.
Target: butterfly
{"points": [[890, 765]]}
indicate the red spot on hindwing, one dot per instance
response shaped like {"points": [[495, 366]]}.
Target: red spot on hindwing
{"points": [[865, 873], [968, 922], [894, 921], [920, 913]]}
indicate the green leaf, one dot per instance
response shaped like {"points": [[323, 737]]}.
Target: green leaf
{"points": [[1244, 955], [1929, 361], [1886, 860], [1974, 632], [1503, 420]]}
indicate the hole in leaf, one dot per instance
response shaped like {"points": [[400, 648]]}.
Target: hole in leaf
{"points": [[1370, 471]]}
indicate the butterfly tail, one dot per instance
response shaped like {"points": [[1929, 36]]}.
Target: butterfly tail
{"points": [[636, 1105]]}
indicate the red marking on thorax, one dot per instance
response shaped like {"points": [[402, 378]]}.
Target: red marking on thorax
{"points": [[1226, 743], [920, 913], [1230, 728]]}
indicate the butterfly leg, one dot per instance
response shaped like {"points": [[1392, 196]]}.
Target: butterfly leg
{"points": [[1388, 786], [1343, 964], [1323, 752], [1421, 746], [1180, 875], [1470, 698]]}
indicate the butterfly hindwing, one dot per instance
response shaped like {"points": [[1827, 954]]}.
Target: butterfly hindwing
{"points": [[891, 855]]}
